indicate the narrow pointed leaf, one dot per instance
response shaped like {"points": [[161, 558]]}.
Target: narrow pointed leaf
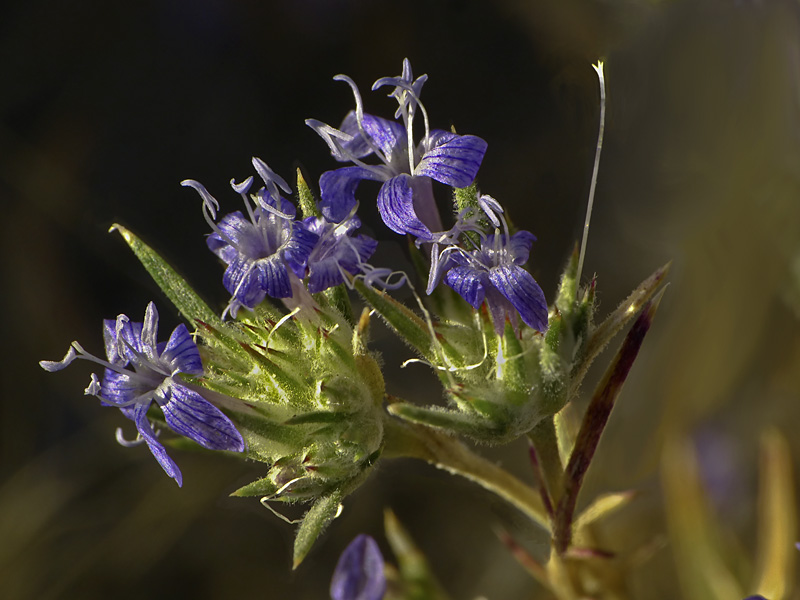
{"points": [[305, 198], [595, 420], [190, 305], [260, 487], [416, 578], [408, 326], [314, 523], [777, 520], [693, 528], [602, 334], [602, 506]]}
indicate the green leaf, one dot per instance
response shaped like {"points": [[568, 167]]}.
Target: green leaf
{"points": [[479, 428], [314, 523], [305, 198], [408, 326], [190, 305], [260, 487]]}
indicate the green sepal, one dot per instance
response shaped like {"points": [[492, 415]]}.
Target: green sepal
{"points": [[339, 299], [305, 198], [188, 303], [320, 417], [455, 422], [568, 286], [266, 441], [408, 326], [511, 371], [260, 487], [318, 517], [466, 197]]}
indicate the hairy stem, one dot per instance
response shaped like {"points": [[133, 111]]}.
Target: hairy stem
{"points": [[444, 452]]}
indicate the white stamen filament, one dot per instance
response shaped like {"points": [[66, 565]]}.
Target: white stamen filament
{"points": [[601, 79]]}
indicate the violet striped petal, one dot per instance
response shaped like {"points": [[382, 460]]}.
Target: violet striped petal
{"points": [[358, 147], [338, 190], [520, 288], [181, 353], [118, 388], [396, 205], [468, 283], [359, 573], [273, 277], [189, 414], [455, 162], [241, 279], [139, 415], [390, 137], [131, 333]]}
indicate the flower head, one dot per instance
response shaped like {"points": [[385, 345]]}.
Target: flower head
{"points": [[491, 271], [359, 572], [139, 371], [405, 200], [336, 252], [260, 248]]}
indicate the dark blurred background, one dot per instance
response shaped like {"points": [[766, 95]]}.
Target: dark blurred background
{"points": [[106, 106]]}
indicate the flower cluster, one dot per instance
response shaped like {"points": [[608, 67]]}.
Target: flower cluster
{"points": [[477, 257], [266, 249], [299, 387]]}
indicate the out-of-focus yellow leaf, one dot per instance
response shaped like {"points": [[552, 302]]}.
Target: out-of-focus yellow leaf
{"points": [[693, 528], [777, 520], [602, 506]]}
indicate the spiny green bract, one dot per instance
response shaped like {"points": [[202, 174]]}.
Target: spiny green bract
{"points": [[500, 387], [312, 396]]}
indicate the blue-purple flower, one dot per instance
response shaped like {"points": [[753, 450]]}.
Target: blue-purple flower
{"points": [[260, 248], [139, 371], [405, 200], [359, 573], [335, 253], [491, 272]]}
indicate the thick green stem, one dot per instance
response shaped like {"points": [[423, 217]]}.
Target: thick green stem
{"points": [[545, 443], [425, 443]]}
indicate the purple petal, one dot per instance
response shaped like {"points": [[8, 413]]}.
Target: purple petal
{"points": [[396, 205], [139, 416], [299, 247], [118, 388], [194, 417], [150, 331], [181, 352], [241, 279], [236, 227], [521, 289], [359, 573], [273, 277], [221, 248], [455, 162], [519, 246], [468, 283], [324, 274], [358, 147], [338, 190], [131, 333], [389, 136]]}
